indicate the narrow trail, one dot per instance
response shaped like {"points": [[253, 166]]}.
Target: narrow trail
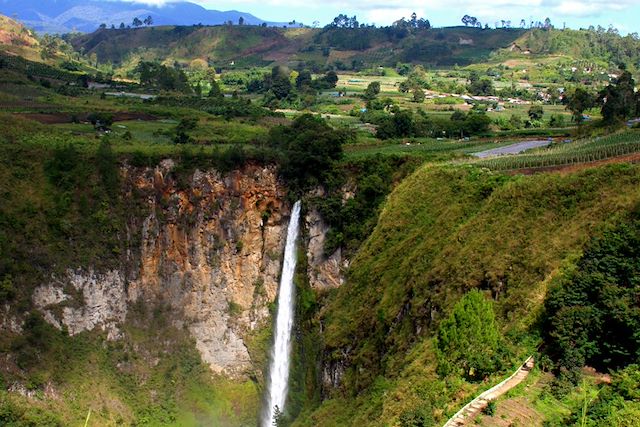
{"points": [[477, 405]]}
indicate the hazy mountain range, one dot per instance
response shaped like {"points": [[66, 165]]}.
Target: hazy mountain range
{"points": [[63, 16]]}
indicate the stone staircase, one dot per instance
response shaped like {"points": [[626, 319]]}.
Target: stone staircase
{"points": [[477, 405]]}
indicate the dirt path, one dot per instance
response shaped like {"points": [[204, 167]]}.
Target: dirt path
{"points": [[477, 405]]}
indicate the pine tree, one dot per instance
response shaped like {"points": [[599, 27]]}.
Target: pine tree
{"points": [[468, 340]]}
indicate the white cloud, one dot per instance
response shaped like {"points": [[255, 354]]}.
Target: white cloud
{"points": [[576, 8], [385, 16]]}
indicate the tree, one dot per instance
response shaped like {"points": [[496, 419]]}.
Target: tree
{"points": [[536, 112], [278, 417], [136, 22], [400, 125], [304, 79], [556, 121], [103, 26], [162, 77], [515, 121], [373, 89], [101, 121], [215, 91], [122, 26], [481, 87], [331, 78], [470, 21], [468, 340], [148, 21], [49, 47], [241, 21], [309, 149], [578, 102], [280, 84], [418, 95], [328, 81], [619, 100], [183, 129]]}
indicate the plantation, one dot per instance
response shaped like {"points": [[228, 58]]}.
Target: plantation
{"points": [[570, 153]]}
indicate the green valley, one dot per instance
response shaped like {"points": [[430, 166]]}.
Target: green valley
{"points": [[469, 196]]}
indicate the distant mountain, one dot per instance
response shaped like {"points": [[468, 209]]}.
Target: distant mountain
{"points": [[64, 16]]}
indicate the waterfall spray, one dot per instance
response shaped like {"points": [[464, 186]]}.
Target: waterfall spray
{"points": [[281, 351]]}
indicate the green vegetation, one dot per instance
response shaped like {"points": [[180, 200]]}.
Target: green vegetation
{"points": [[592, 311], [351, 221], [616, 404], [468, 340], [118, 381], [161, 77], [309, 150]]}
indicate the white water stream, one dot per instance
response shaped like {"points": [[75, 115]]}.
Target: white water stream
{"points": [[281, 351]]}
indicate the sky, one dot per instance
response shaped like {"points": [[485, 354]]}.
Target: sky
{"points": [[622, 14]]}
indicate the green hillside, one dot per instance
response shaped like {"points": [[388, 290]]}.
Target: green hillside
{"points": [[346, 47], [443, 232], [259, 46]]}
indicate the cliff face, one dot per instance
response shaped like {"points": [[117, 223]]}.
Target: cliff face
{"points": [[323, 271], [210, 250]]}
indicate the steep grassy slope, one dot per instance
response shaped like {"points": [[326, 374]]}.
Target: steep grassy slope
{"points": [[442, 232]]}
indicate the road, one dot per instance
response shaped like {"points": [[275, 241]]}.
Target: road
{"points": [[512, 149]]}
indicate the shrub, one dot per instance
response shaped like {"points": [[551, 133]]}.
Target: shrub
{"points": [[416, 418], [7, 291], [491, 408], [101, 121]]}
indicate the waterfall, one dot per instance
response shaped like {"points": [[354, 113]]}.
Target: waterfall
{"points": [[281, 351]]}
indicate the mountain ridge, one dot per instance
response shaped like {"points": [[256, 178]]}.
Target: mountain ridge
{"points": [[65, 16]]}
